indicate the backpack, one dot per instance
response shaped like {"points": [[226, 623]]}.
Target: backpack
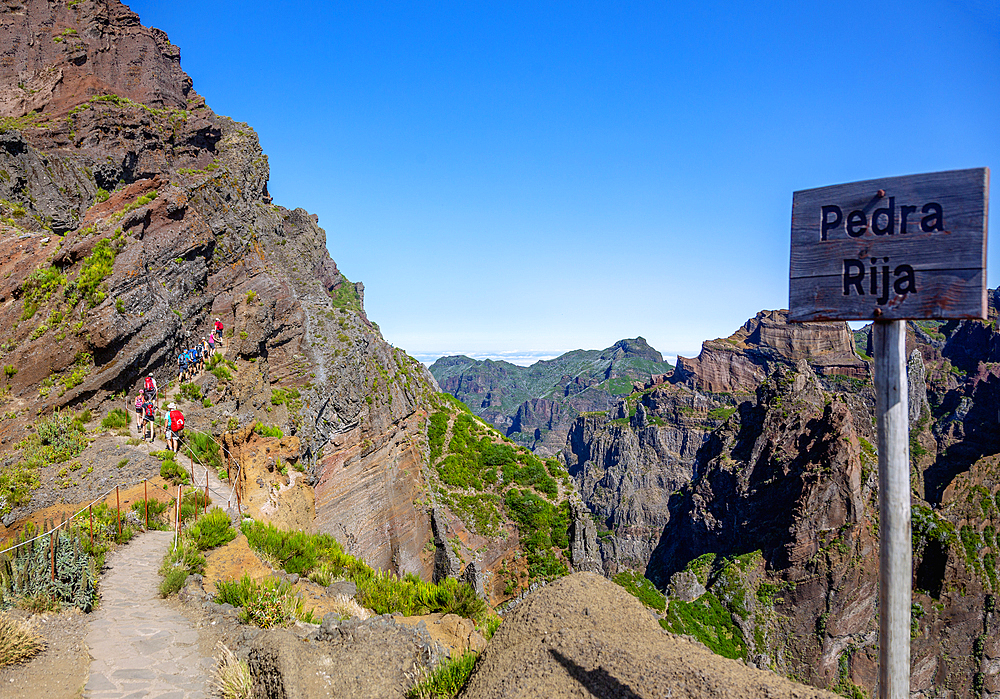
{"points": [[149, 383], [149, 410], [176, 421]]}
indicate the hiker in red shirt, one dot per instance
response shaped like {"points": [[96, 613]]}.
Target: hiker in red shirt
{"points": [[174, 427], [218, 332]]}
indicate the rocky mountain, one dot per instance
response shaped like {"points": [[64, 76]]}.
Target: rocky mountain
{"points": [[746, 487], [131, 216], [534, 406]]}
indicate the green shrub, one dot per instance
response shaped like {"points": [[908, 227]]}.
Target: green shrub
{"points": [[173, 581], [436, 433], [102, 195], [178, 564], [322, 559], [96, 268], [190, 392], [115, 420], [447, 679], [346, 296], [157, 511], [38, 288], [174, 472], [211, 530], [204, 450], [267, 431], [266, 603]]}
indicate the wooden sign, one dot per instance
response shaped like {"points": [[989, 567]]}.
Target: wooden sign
{"points": [[895, 248]]}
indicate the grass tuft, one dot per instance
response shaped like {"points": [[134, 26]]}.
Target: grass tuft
{"points": [[17, 642]]}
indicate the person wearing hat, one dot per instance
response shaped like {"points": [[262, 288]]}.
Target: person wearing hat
{"points": [[218, 331], [174, 425]]}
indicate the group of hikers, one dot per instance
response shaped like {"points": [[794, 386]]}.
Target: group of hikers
{"points": [[190, 362]]}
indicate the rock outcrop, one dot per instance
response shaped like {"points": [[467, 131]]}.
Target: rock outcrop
{"points": [[739, 363], [132, 216], [585, 636], [769, 512]]}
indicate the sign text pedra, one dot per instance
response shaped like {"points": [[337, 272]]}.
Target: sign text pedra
{"points": [[901, 247]]}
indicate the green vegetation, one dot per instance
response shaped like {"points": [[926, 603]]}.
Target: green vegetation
{"points": [[102, 195], [251, 297], [710, 622], [26, 572], [220, 367], [190, 391], [721, 413], [266, 603], [267, 430], [96, 268], [55, 440], [926, 526], [178, 564], [643, 589], [38, 289], [204, 450], [115, 420], [345, 296], [170, 469], [211, 530], [447, 679], [321, 558]]}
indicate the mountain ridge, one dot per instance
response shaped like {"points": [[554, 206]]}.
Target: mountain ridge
{"points": [[534, 405]]}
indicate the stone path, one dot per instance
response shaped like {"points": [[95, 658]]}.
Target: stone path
{"points": [[139, 646]]}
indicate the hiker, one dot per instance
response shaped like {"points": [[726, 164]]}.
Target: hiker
{"points": [[197, 357], [149, 388], [138, 411], [173, 427], [211, 343], [204, 352], [149, 415], [182, 365], [218, 331]]}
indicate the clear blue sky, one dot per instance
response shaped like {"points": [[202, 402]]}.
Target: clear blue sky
{"points": [[510, 176]]}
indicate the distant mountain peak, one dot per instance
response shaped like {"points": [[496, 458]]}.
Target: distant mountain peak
{"points": [[636, 347]]}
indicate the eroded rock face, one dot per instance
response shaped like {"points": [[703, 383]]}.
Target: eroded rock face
{"points": [[739, 363], [777, 521], [122, 163]]}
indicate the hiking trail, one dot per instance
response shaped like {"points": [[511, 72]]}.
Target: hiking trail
{"points": [[139, 646]]}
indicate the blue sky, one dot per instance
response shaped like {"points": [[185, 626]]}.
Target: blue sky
{"points": [[510, 177]]}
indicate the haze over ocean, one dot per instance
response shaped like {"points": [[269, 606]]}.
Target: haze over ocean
{"points": [[564, 175]]}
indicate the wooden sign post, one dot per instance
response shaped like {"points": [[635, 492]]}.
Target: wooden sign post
{"points": [[887, 250]]}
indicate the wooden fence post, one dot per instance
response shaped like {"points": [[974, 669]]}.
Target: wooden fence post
{"points": [[118, 512]]}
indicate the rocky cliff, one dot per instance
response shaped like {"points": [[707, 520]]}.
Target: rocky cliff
{"points": [[131, 216], [746, 487], [536, 405]]}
